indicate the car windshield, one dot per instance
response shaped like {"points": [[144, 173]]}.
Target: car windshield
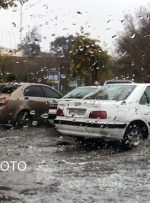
{"points": [[113, 92], [79, 92]]}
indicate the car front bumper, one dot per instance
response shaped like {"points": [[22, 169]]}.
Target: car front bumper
{"points": [[90, 129]]}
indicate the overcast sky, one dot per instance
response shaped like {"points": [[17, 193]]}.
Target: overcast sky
{"points": [[102, 18]]}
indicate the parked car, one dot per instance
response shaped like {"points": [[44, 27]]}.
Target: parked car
{"points": [[119, 111], [21, 102], [77, 93]]}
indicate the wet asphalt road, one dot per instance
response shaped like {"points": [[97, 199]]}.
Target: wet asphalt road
{"points": [[59, 170]]}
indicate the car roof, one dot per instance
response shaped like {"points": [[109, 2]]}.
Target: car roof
{"points": [[89, 86], [27, 84], [139, 84]]}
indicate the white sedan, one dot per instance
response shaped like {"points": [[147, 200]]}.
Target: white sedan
{"points": [[120, 111]]}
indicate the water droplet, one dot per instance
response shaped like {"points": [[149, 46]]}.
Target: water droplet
{"points": [[79, 12], [63, 76], [45, 115], [96, 83], [39, 80], [114, 36], [81, 48], [148, 17], [108, 28], [108, 21], [34, 123], [32, 112], [140, 16], [132, 36], [94, 63]]}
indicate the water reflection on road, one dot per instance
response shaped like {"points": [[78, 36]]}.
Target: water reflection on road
{"points": [[59, 170]]}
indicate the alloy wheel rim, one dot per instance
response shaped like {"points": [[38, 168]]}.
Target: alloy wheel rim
{"points": [[135, 137]]}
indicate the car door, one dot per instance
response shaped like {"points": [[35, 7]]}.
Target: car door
{"points": [[144, 104], [51, 97], [35, 99]]}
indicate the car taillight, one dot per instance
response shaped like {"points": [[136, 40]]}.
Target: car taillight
{"points": [[98, 114], [3, 101], [59, 112]]}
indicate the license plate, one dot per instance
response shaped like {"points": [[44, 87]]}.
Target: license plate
{"points": [[52, 111], [77, 111]]}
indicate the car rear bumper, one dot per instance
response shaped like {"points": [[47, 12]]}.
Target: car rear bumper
{"points": [[84, 129]]}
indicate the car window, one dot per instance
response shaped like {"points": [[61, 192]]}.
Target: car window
{"points": [[113, 92], [117, 81], [145, 99], [50, 93], [80, 92], [8, 88], [33, 91]]}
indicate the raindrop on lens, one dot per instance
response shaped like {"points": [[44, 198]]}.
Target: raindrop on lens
{"points": [[81, 48], [45, 115], [32, 112], [132, 36], [63, 76], [96, 83], [34, 123], [39, 80]]}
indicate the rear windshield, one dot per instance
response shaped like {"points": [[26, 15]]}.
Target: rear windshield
{"points": [[8, 88], [113, 92], [117, 81], [79, 92]]}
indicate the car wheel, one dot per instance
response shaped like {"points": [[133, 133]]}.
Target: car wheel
{"points": [[23, 119], [134, 135]]}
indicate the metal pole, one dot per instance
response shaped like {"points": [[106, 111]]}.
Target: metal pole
{"points": [[20, 37], [21, 17]]}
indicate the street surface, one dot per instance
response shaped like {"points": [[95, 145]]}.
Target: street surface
{"points": [[60, 171]]}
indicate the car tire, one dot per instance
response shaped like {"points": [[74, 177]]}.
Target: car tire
{"points": [[134, 135], [23, 119]]}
